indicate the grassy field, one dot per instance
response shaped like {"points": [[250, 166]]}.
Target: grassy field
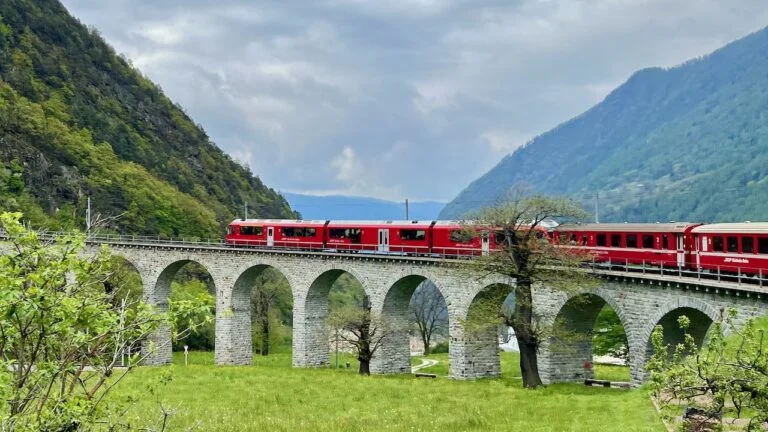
{"points": [[272, 396]]}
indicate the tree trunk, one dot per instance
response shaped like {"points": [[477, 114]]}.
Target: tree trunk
{"points": [[425, 340], [527, 341], [365, 366], [265, 327]]}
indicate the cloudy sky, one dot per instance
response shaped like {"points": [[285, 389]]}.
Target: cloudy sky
{"points": [[399, 98]]}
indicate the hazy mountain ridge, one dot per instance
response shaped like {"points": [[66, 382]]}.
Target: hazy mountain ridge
{"points": [[667, 145], [77, 120]]}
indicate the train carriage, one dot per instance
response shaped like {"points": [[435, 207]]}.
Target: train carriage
{"points": [[291, 234], [734, 248], [403, 237], [660, 244], [454, 239]]}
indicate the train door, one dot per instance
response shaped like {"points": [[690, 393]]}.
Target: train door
{"points": [[270, 236], [680, 250], [485, 240], [384, 240]]}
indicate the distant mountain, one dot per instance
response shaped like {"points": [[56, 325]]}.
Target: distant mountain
{"points": [[686, 143], [77, 120], [360, 208]]}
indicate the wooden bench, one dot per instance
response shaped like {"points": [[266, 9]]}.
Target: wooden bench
{"points": [[425, 375]]}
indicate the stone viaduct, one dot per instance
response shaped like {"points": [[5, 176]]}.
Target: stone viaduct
{"points": [[641, 301]]}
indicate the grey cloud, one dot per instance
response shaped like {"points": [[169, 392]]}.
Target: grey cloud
{"points": [[400, 98]]}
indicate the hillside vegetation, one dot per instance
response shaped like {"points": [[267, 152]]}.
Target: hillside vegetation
{"points": [[686, 143], [76, 120]]}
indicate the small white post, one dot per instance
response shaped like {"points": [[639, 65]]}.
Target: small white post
{"points": [[186, 355]]}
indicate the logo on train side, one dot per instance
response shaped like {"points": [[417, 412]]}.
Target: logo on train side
{"points": [[737, 260]]}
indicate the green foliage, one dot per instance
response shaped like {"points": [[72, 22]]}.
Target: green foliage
{"points": [[195, 307], [727, 377], [79, 121], [669, 144], [57, 318], [609, 335], [346, 291], [271, 312], [440, 348]]}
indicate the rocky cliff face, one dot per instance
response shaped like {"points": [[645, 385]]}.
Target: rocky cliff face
{"points": [[77, 120]]}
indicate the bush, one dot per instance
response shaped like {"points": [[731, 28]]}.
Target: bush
{"points": [[441, 348]]}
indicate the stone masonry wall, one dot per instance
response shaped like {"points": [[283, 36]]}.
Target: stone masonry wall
{"points": [[390, 283]]}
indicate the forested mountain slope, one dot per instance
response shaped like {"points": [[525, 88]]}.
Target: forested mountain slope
{"points": [[687, 143], [76, 120]]}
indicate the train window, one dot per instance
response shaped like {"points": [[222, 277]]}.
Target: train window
{"points": [[292, 232], [648, 241], [412, 235], [762, 245], [717, 244], [353, 234], [251, 230], [601, 240], [733, 243], [665, 241], [573, 239], [631, 240], [747, 244], [462, 236], [499, 236], [584, 240], [230, 229], [563, 238], [310, 232], [615, 240]]}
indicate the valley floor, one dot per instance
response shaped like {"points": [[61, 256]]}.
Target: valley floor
{"points": [[272, 396]]}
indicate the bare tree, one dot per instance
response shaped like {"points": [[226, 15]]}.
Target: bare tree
{"points": [[525, 254], [361, 329], [429, 309]]}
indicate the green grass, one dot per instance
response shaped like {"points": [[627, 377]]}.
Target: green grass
{"points": [[272, 396]]}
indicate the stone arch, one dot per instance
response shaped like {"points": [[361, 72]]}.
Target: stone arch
{"points": [[158, 294], [394, 355], [701, 313], [233, 318], [310, 312], [474, 347], [567, 354]]}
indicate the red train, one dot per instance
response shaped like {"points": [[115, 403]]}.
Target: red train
{"points": [[732, 248], [398, 237]]}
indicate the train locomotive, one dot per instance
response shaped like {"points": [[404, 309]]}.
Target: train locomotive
{"points": [[727, 248]]}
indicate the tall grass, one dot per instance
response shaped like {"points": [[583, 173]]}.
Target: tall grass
{"points": [[272, 396]]}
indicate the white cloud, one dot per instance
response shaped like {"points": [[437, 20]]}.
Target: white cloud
{"points": [[400, 97]]}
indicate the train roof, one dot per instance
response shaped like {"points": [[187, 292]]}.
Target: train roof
{"points": [[277, 222], [733, 228], [630, 227], [381, 223]]}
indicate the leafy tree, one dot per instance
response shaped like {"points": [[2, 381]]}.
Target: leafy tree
{"points": [[271, 303], [430, 312], [194, 292], [63, 332], [525, 255], [609, 336], [726, 372]]}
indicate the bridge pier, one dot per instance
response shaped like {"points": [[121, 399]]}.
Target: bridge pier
{"points": [[473, 354], [394, 354]]}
